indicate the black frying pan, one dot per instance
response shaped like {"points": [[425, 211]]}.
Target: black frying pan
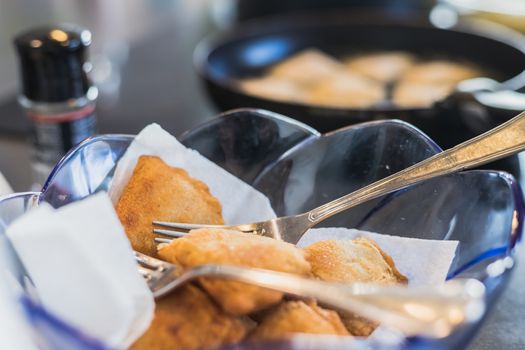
{"points": [[249, 49]]}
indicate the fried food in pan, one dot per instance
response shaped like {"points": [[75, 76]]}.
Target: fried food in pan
{"points": [[346, 90], [440, 71], [212, 246], [298, 317], [362, 81], [274, 88], [358, 260], [420, 95], [381, 66], [188, 319], [157, 191]]}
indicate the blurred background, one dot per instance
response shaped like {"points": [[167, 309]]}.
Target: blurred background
{"points": [[142, 58], [141, 52], [142, 55]]}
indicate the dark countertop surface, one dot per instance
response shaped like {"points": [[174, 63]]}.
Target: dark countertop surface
{"points": [[146, 78], [157, 83]]}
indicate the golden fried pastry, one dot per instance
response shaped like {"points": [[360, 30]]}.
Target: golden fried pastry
{"points": [[187, 319], [273, 88], [207, 246], [157, 191], [435, 72], [429, 82], [381, 66], [357, 325], [347, 90], [298, 317], [307, 67], [420, 95], [358, 260]]}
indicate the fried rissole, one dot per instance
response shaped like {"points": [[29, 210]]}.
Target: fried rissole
{"points": [[346, 90], [420, 95], [211, 246], [187, 319], [307, 67], [381, 66], [157, 191], [274, 88], [440, 71], [358, 260], [298, 317]]}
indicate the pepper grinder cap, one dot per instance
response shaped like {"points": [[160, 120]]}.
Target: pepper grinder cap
{"points": [[53, 63]]}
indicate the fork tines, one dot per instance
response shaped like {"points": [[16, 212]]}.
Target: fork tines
{"points": [[163, 240], [170, 233], [183, 227], [178, 229], [148, 262]]}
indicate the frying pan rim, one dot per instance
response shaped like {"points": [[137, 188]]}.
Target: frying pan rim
{"points": [[272, 25]]}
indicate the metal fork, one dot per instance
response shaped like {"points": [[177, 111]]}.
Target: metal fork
{"points": [[429, 311], [504, 140]]}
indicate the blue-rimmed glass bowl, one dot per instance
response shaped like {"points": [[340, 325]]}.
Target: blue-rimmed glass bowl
{"points": [[298, 168]]}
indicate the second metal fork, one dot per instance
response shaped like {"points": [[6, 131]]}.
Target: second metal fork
{"points": [[429, 311], [504, 140]]}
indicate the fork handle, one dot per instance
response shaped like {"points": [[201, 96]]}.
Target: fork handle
{"points": [[504, 140], [433, 311]]}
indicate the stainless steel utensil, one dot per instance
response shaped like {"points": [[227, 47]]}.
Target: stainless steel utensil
{"points": [[428, 311], [502, 141]]}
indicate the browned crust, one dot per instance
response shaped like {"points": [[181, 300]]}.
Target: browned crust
{"points": [[402, 279], [206, 246], [359, 260], [157, 191], [298, 317], [359, 326], [332, 260], [188, 320]]}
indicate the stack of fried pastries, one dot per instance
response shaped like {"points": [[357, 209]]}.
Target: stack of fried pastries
{"points": [[212, 313]]}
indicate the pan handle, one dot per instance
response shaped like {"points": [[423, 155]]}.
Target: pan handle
{"points": [[492, 94], [503, 100]]}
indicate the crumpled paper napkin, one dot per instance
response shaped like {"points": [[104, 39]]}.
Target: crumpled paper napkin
{"points": [[84, 270]]}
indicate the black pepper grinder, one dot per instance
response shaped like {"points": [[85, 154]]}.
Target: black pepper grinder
{"points": [[57, 95]]}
